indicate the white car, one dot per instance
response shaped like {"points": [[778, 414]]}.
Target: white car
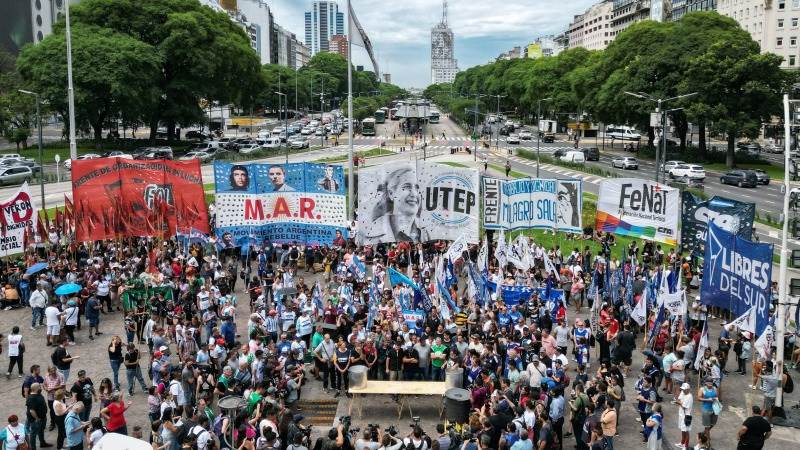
{"points": [[250, 148], [68, 163], [669, 165], [625, 162], [202, 156], [512, 139], [298, 143], [692, 171], [307, 131], [574, 157], [320, 132], [119, 154], [525, 135], [278, 131]]}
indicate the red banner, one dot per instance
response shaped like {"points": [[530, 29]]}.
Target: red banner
{"points": [[118, 197]]}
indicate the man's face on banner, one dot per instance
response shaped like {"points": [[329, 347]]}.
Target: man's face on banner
{"points": [[277, 176], [239, 178]]}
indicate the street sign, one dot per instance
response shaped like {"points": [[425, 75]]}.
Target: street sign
{"points": [[474, 137], [58, 158]]}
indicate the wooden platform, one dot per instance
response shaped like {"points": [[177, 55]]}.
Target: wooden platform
{"points": [[401, 389]]}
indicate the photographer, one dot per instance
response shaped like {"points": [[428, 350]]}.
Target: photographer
{"points": [[416, 440], [367, 442], [333, 440], [390, 442]]}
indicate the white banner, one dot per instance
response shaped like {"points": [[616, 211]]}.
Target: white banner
{"points": [[532, 203], [639, 208], [417, 202], [19, 214], [674, 303]]}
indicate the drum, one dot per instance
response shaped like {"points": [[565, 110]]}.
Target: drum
{"points": [[454, 378], [358, 377], [456, 405], [231, 405]]}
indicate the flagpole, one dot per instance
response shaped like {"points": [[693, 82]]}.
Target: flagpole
{"points": [[350, 189], [73, 147]]}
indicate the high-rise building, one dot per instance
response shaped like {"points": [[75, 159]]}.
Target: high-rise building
{"points": [[514, 53], [627, 12], [682, 7], [301, 54], [444, 66], [28, 21], [387, 78], [592, 30], [774, 25], [259, 23], [338, 44], [322, 23]]}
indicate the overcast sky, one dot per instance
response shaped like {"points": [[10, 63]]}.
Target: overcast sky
{"points": [[400, 29]]}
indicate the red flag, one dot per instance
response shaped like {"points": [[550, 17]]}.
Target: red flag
{"points": [[59, 220], [41, 230]]}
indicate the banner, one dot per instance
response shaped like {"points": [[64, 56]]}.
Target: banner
{"points": [[412, 317], [639, 208], [298, 202], [737, 275], [19, 215], [674, 302], [117, 197], [533, 203], [732, 216], [417, 202]]}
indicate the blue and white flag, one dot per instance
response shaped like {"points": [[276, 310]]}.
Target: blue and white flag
{"points": [[358, 269], [316, 297], [656, 325], [483, 257], [396, 277]]}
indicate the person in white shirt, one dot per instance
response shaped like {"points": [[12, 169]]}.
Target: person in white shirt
{"points": [[15, 433], [53, 320], [685, 401], [38, 302], [536, 371], [15, 352]]}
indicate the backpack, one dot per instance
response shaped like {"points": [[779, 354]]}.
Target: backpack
{"points": [[789, 386], [55, 360], [217, 426]]}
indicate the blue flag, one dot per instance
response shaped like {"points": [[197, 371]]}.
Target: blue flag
{"points": [[656, 326], [396, 278]]}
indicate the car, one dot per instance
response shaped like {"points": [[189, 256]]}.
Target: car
{"points": [[669, 165], [740, 178], [687, 171], [197, 135], [68, 162], [509, 123], [307, 131], [319, 132], [559, 153], [574, 156], [753, 148], [202, 156], [512, 139], [625, 162], [273, 142], [251, 148], [591, 153], [204, 147], [10, 155], [155, 153], [15, 175], [525, 135], [549, 137], [299, 143], [21, 162], [278, 131], [117, 154], [763, 176]]}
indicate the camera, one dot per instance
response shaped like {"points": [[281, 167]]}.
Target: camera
{"points": [[391, 430], [345, 421], [373, 429]]}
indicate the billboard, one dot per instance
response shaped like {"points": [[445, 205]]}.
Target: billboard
{"points": [[417, 201], [732, 216], [737, 275], [18, 216], [117, 197], [639, 208], [298, 202], [532, 203]]}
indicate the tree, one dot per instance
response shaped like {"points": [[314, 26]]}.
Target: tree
{"points": [[16, 110], [112, 72]]}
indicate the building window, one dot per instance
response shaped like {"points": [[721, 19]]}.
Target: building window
{"points": [[792, 60], [779, 42], [780, 23], [794, 22], [795, 4], [793, 41], [782, 4]]}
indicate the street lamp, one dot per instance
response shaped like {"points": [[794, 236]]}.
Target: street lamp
{"points": [[41, 157], [661, 151], [285, 121], [538, 129], [73, 146], [498, 97], [475, 129]]}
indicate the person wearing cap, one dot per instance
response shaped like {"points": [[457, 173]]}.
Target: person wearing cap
{"points": [[83, 391], [685, 402]]}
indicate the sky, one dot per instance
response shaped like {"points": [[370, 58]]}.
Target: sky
{"points": [[400, 29]]}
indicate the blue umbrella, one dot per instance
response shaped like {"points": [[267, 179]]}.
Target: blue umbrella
{"points": [[38, 267], [69, 288]]}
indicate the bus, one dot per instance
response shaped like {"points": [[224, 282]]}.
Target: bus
{"points": [[368, 127], [393, 114], [434, 117], [380, 116]]}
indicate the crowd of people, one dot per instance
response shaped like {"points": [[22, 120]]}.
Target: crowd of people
{"points": [[170, 315]]}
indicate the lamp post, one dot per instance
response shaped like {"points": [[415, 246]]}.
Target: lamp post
{"points": [[41, 153], [659, 101], [285, 121], [475, 128], [538, 129], [498, 97], [73, 146]]}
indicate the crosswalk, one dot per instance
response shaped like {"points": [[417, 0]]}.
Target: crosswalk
{"points": [[588, 178], [427, 138]]}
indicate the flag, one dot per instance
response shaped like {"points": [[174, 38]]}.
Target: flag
{"points": [[483, 257], [457, 248], [357, 268], [517, 253], [500, 250], [358, 36], [702, 346], [477, 284], [316, 297], [765, 342], [746, 322], [396, 277], [656, 326], [549, 267], [639, 313]]}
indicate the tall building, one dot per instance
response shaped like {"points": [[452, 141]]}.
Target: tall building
{"points": [[514, 53], [387, 78], [322, 23], [774, 24], [627, 12], [302, 54], [682, 7], [257, 20], [28, 21], [592, 30], [338, 44], [444, 66]]}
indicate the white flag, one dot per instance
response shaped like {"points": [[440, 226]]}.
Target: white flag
{"points": [[764, 343], [359, 37], [702, 346], [639, 313], [500, 250], [549, 267], [483, 257], [516, 254], [746, 322], [457, 248]]}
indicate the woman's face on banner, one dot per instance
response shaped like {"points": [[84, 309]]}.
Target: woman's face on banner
{"points": [[404, 193]]}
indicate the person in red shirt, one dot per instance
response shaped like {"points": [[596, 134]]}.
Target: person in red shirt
{"points": [[114, 414]]}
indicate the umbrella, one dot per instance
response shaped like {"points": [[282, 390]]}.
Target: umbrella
{"points": [[38, 267], [69, 288]]}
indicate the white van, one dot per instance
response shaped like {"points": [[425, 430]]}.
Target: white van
{"points": [[574, 157], [271, 142], [622, 133]]}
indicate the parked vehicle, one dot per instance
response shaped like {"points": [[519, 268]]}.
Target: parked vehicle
{"points": [[252, 148], [763, 176], [549, 137], [15, 175], [622, 133], [155, 153], [591, 153], [197, 135], [68, 162], [559, 153], [299, 143], [512, 139], [625, 162], [10, 155], [669, 165], [740, 178], [574, 157], [688, 171], [525, 135], [273, 142], [117, 154], [202, 156]]}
